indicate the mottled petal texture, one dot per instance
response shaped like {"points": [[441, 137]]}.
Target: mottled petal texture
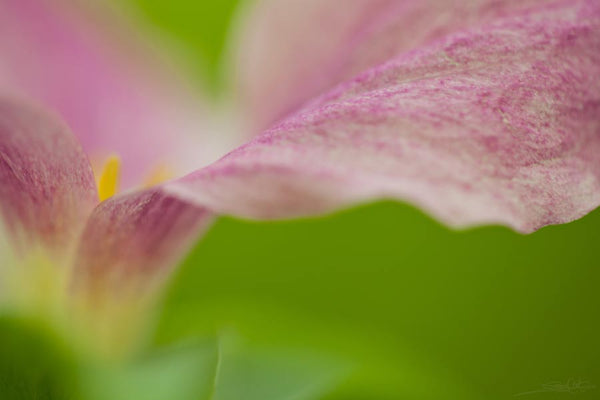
{"points": [[291, 50], [47, 187], [498, 123], [117, 92], [134, 239]]}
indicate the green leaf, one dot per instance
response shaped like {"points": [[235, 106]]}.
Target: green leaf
{"points": [[184, 372], [213, 370], [34, 364], [273, 373]]}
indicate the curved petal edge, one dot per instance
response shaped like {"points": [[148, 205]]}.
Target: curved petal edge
{"points": [[495, 124]]}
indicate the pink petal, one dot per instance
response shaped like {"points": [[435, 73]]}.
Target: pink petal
{"points": [[132, 240], [115, 91], [496, 124], [291, 50], [47, 187]]}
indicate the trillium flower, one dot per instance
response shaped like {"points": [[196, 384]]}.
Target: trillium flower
{"points": [[482, 113]]}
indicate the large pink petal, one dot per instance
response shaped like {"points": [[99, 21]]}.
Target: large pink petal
{"points": [[291, 50], [496, 124], [118, 94], [47, 187], [133, 240]]}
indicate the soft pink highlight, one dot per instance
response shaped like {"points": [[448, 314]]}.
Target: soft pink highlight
{"points": [[110, 90]]}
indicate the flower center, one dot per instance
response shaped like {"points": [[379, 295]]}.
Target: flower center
{"points": [[109, 174], [108, 180]]}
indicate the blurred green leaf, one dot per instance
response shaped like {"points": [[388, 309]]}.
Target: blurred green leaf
{"points": [[34, 364], [273, 373], [185, 372], [213, 370]]}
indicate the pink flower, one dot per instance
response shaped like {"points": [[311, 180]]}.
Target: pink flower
{"points": [[487, 112]]}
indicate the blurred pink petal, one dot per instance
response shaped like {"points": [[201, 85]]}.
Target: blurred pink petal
{"points": [[291, 50], [116, 93], [48, 195], [495, 124], [47, 187], [133, 239]]}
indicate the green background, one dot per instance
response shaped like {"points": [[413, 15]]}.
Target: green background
{"points": [[377, 302]]}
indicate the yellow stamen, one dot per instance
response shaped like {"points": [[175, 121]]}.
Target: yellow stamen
{"points": [[108, 181]]}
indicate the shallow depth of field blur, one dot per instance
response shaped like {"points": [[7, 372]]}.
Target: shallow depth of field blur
{"points": [[378, 302]]}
